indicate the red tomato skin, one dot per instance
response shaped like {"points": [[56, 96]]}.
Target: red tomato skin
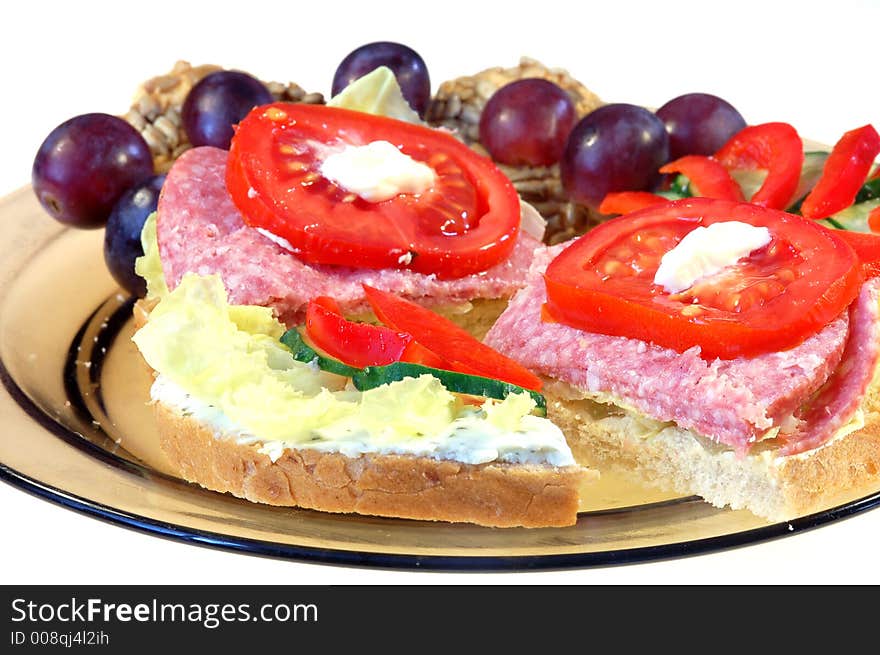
{"points": [[580, 298], [624, 202], [846, 169], [707, 175], [276, 191], [866, 246], [447, 340], [774, 146], [355, 344]]}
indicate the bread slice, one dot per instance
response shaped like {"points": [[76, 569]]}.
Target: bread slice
{"points": [[494, 494], [479, 317], [665, 456]]}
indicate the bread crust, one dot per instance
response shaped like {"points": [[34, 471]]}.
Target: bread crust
{"points": [[665, 456], [492, 494]]}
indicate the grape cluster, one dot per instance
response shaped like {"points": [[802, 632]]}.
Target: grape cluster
{"points": [[617, 147], [620, 147]]}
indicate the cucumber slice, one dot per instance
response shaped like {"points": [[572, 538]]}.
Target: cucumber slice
{"points": [[473, 385], [749, 180], [669, 194], [371, 377], [854, 218], [869, 191], [811, 171], [303, 352], [680, 188]]}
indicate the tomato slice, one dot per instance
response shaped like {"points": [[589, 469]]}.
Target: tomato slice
{"points": [[355, 344], [772, 146], [465, 223], [770, 301], [867, 247], [846, 169], [709, 177], [448, 341], [624, 202]]}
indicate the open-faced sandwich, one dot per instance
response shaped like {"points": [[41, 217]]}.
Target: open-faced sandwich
{"points": [[257, 259], [717, 347], [317, 200], [414, 418]]}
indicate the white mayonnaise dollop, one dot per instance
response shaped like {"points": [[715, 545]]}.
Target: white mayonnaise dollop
{"points": [[377, 171], [706, 251]]}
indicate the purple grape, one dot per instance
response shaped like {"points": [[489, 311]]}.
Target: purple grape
{"points": [[699, 124], [85, 165], [526, 123], [406, 64], [122, 236], [617, 147], [219, 101]]}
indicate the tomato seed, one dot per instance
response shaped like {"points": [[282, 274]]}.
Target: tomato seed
{"points": [[612, 267], [275, 114]]}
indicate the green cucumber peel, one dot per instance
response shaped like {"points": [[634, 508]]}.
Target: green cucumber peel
{"points": [[680, 187], [474, 385], [303, 352], [855, 217], [670, 195], [870, 191]]}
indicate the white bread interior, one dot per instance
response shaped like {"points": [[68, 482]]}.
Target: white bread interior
{"points": [[673, 459]]}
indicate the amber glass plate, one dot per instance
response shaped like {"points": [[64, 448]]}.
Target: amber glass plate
{"points": [[75, 429]]}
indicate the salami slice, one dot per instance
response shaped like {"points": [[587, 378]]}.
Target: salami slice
{"points": [[200, 230], [732, 401], [834, 405]]}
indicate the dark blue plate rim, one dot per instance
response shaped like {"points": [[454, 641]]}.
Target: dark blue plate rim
{"points": [[382, 560], [491, 563]]}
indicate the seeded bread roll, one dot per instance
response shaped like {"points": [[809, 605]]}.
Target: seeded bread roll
{"points": [[494, 494]]}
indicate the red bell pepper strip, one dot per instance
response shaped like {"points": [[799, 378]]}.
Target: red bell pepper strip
{"points": [[773, 146], [447, 340], [845, 171], [707, 175], [867, 246], [416, 353], [874, 220], [624, 202], [355, 344]]}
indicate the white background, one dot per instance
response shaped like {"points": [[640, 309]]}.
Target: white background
{"points": [[808, 63]]}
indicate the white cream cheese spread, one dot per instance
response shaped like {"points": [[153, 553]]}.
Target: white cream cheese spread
{"points": [[377, 171], [706, 251], [472, 437]]}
